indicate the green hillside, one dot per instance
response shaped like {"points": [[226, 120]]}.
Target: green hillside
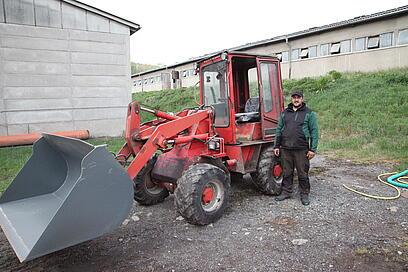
{"points": [[362, 116], [139, 67]]}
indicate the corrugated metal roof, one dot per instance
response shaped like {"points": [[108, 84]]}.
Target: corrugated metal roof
{"points": [[314, 30], [295, 35], [133, 26]]}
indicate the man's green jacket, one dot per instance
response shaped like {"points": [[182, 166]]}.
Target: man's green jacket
{"points": [[297, 130]]}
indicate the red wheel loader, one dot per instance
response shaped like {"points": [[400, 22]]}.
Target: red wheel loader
{"points": [[70, 191]]}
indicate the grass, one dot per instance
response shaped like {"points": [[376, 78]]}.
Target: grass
{"points": [[168, 100], [362, 117]]}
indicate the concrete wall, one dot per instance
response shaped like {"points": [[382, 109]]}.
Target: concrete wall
{"points": [[72, 74]]}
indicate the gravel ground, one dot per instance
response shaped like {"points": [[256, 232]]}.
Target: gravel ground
{"points": [[339, 231]]}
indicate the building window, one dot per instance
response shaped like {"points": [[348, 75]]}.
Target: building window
{"points": [[386, 39], [158, 78], [145, 81], [184, 73], [373, 42], [134, 83], [313, 51], [152, 80], [304, 53], [360, 44], [345, 46], [403, 36], [139, 82], [335, 48], [295, 54], [285, 56], [324, 49]]}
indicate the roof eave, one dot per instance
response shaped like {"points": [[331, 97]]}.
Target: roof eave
{"points": [[133, 26]]}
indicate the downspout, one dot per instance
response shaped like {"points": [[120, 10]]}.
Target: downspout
{"points": [[289, 56]]}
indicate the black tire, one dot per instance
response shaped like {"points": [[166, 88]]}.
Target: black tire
{"points": [[264, 178], [145, 191], [236, 177], [191, 198]]}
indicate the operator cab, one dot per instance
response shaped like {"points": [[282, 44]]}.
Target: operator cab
{"points": [[245, 92]]}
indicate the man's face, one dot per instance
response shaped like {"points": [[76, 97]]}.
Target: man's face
{"points": [[297, 100]]}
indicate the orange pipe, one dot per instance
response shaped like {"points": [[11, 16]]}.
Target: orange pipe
{"points": [[27, 139]]}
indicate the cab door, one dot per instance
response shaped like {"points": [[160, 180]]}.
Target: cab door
{"points": [[271, 98]]}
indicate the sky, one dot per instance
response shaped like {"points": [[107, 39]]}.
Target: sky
{"points": [[174, 31]]}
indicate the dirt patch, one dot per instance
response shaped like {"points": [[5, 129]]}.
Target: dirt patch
{"points": [[339, 231]]}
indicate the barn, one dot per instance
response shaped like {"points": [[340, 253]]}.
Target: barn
{"points": [[64, 66]]}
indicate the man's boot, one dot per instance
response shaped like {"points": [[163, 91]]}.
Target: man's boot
{"points": [[283, 196], [305, 199]]}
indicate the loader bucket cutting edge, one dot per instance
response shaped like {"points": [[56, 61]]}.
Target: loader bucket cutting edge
{"points": [[68, 192]]}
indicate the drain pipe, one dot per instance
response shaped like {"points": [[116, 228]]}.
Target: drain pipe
{"points": [[27, 139], [289, 56]]}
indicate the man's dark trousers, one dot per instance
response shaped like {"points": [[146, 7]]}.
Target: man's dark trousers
{"points": [[295, 159]]}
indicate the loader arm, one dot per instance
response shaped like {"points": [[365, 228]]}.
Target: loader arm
{"points": [[158, 139]]}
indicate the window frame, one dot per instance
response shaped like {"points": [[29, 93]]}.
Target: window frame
{"points": [[321, 47], [376, 39], [335, 48], [364, 45], [349, 46], [298, 54], [391, 39], [404, 30], [315, 48], [304, 53], [285, 56]]}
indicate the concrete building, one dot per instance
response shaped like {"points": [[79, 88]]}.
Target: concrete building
{"points": [[168, 77], [366, 43], [64, 65]]}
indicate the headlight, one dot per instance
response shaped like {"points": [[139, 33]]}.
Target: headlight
{"points": [[213, 145]]}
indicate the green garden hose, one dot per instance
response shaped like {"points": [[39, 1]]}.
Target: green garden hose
{"points": [[397, 177]]}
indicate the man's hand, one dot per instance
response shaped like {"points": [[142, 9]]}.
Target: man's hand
{"points": [[310, 155], [276, 151]]}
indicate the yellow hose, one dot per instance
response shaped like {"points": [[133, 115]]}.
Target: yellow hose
{"points": [[400, 180], [386, 183]]}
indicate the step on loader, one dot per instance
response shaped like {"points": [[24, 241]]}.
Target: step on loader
{"points": [[70, 191]]}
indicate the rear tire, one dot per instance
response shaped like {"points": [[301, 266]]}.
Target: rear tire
{"points": [[267, 179], [202, 193], [146, 192]]}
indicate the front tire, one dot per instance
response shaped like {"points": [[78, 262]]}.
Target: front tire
{"points": [[146, 192], [269, 174], [202, 193]]}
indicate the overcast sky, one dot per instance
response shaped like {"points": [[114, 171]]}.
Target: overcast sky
{"points": [[174, 31]]}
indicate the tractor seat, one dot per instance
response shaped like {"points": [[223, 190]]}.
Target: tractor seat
{"points": [[251, 113]]}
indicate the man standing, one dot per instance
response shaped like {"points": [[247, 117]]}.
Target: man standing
{"points": [[296, 140]]}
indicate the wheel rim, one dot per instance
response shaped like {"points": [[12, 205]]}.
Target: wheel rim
{"points": [[277, 173], [151, 187], [212, 196]]}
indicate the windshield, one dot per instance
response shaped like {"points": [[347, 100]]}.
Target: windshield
{"points": [[216, 91]]}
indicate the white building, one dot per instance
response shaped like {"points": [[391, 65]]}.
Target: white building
{"points": [[366, 43]]}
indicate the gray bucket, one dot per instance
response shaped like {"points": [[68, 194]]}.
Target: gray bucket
{"points": [[67, 193]]}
